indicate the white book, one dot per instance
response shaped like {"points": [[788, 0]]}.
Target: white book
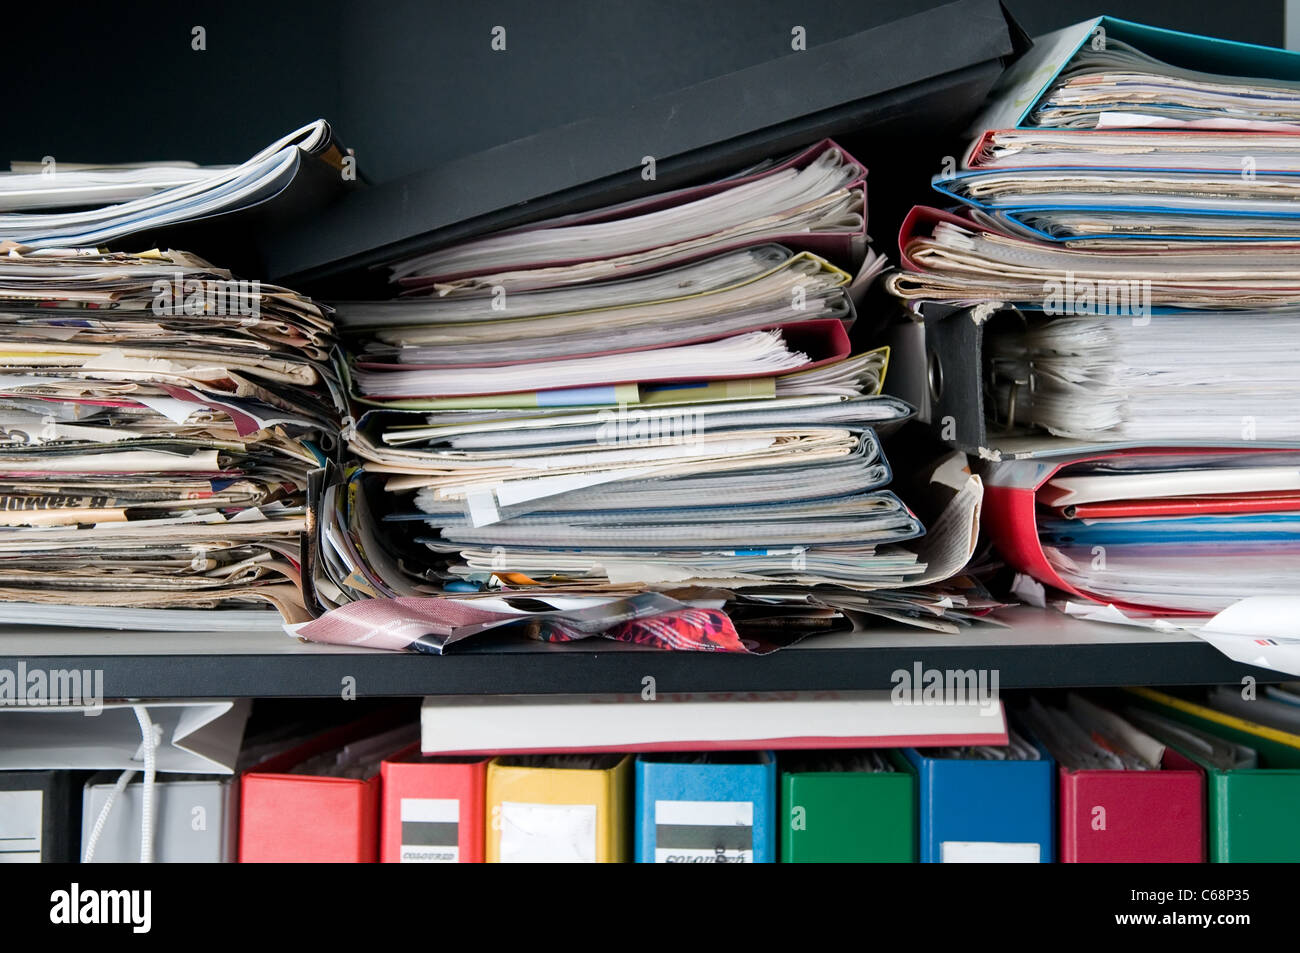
{"points": [[503, 724]]}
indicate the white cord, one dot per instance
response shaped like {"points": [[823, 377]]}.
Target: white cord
{"points": [[146, 793], [98, 829], [147, 789]]}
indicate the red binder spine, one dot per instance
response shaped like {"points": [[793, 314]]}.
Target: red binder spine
{"points": [[433, 811], [1134, 816]]}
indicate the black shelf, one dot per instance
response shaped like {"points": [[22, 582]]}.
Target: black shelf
{"points": [[1038, 649]]}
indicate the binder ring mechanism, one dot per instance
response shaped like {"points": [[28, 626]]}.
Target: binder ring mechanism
{"points": [[1011, 379]]}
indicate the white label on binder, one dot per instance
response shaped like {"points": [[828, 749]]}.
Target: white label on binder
{"points": [[20, 826], [548, 833], [988, 852], [430, 830], [704, 832]]}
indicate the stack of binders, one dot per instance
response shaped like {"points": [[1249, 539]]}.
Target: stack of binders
{"points": [[653, 396], [1115, 296]]}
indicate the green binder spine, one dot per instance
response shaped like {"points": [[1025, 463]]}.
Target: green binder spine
{"points": [[849, 816]]}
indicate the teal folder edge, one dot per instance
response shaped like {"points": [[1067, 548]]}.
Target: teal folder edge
{"points": [[1188, 50]]}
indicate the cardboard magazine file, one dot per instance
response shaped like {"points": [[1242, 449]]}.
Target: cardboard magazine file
{"points": [[849, 816], [196, 820], [306, 818], [976, 811], [706, 808], [433, 808], [541, 810], [1253, 813]]}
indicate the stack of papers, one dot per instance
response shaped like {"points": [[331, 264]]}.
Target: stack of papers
{"points": [[53, 205], [654, 396], [1184, 377], [1086, 737], [1140, 227], [1111, 82], [160, 418], [1175, 532], [818, 192]]}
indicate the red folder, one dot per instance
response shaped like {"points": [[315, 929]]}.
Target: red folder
{"points": [[920, 222], [1221, 504], [298, 818], [1011, 508], [1153, 817], [433, 809]]}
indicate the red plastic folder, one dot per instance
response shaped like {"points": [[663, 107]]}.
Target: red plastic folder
{"points": [[1142, 817], [1187, 506], [1015, 495], [304, 818], [433, 809]]}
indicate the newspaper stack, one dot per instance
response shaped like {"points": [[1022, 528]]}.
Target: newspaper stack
{"points": [[160, 420]]}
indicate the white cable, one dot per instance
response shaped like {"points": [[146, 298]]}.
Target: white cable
{"points": [[98, 829], [147, 789]]}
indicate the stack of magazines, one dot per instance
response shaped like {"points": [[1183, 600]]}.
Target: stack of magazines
{"points": [[160, 418], [1139, 216]]}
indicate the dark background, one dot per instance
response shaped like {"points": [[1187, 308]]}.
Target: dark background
{"points": [[408, 84]]}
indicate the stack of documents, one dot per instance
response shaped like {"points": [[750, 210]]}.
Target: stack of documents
{"points": [[1126, 240], [1184, 377], [1177, 531], [52, 204], [160, 420], [659, 395]]}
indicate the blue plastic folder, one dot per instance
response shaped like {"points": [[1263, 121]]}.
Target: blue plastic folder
{"points": [[985, 811], [707, 808], [1024, 216]]}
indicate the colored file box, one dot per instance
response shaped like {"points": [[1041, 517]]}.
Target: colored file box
{"points": [[433, 808], [1134, 816], [717, 810], [985, 811], [301, 818], [849, 816], [558, 814], [1254, 813]]}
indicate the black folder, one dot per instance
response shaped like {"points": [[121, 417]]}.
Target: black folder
{"points": [[891, 85]]}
